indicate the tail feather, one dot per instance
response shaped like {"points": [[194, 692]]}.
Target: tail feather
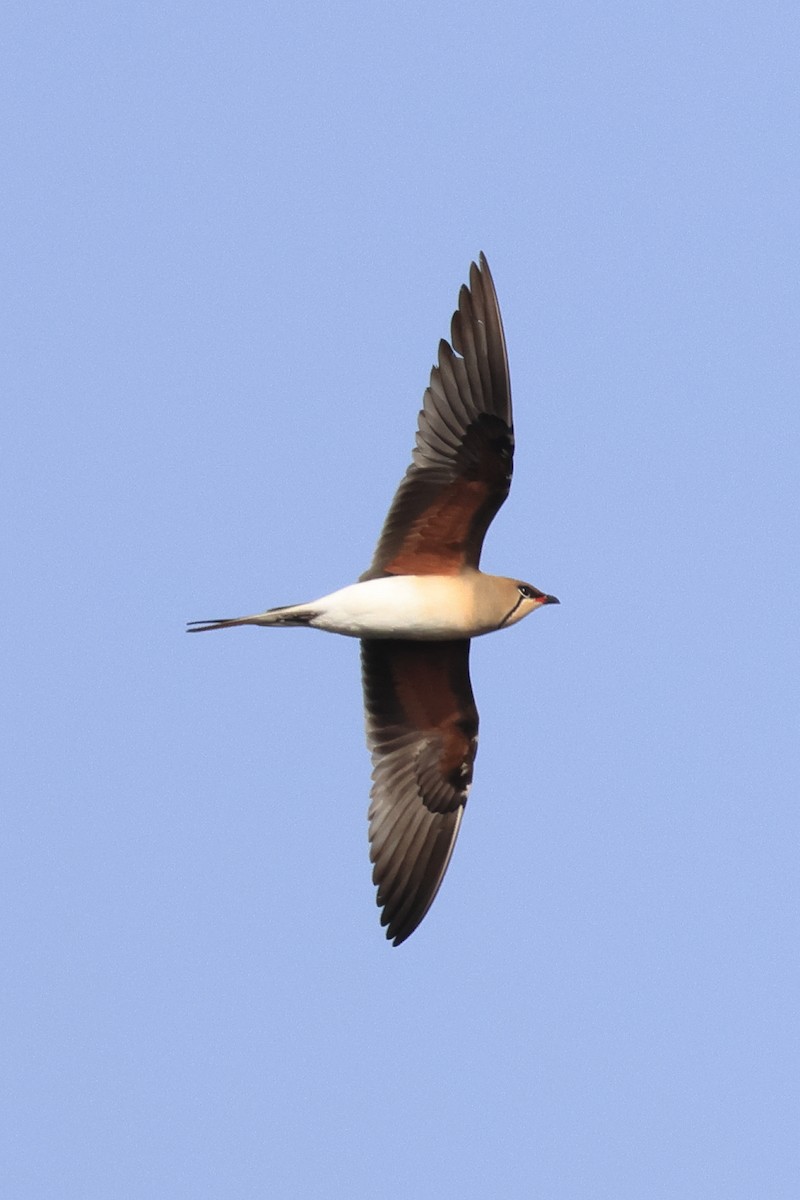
{"points": [[204, 626], [292, 614]]}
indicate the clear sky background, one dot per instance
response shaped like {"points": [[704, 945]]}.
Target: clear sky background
{"points": [[233, 237]]}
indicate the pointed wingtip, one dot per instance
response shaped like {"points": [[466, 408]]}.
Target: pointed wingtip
{"points": [[484, 268]]}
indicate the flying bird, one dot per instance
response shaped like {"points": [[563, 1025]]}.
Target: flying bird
{"points": [[421, 602]]}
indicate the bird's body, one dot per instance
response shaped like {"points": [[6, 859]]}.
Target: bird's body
{"points": [[418, 607], [421, 602]]}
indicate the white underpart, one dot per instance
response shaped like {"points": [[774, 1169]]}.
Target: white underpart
{"points": [[429, 607]]}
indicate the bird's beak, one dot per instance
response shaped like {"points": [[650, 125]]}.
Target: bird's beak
{"points": [[550, 600]]}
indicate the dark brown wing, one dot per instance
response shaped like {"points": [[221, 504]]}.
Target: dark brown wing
{"points": [[422, 730], [462, 462]]}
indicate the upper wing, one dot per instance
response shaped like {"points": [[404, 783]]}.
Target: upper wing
{"points": [[422, 730], [463, 458]]}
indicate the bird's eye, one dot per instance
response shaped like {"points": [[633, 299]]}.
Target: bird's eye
{"points": [[525, 591]]}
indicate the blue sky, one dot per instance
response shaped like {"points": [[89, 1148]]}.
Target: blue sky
{"points": [[234, 236]]}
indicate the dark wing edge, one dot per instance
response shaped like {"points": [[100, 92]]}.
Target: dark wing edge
{"points": [[422, 731], [462, 462]]}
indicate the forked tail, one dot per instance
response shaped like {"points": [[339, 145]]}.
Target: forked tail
{"points": [[291, 614]]}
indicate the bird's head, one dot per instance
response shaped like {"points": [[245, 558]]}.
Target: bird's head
{"points": [[519, 599]]}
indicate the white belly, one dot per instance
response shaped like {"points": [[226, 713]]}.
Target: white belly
{"points": [[425, 607]]}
